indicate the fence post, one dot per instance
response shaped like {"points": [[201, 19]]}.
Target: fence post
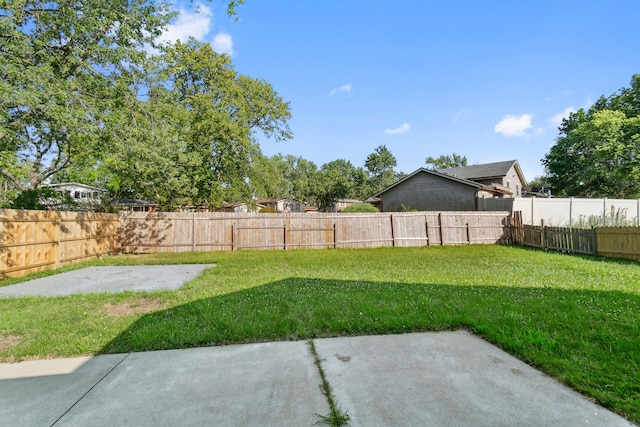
{"points": [[468, 234], [533, 199], [594, 238], [440, 227], [334, 236], [426, 226], [571, 212], [542, 239], [393, 237], [285, 236]]}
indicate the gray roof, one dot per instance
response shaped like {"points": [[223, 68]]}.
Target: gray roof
{"points": [[484, 171]]}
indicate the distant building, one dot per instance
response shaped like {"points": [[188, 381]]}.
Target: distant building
{"points": [[342, 204], [505, 174], [135, 205], [283, 205], [429, 190], [81, 196]]}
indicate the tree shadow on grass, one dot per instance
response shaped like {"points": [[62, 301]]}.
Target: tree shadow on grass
{"points": [[587, 339]]}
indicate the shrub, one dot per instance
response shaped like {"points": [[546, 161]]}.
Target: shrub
{"points": [[404, 208], [360, 207], [44, 199]]}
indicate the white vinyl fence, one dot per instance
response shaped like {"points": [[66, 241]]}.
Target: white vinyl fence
{"points": [[570, 211]]}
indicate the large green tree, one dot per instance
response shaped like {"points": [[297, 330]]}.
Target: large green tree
{"points": [[191, 139], [380, 164], [340, 179], [64, 67], [285, 176], [223, 110], [81, 97], [597, 153]]}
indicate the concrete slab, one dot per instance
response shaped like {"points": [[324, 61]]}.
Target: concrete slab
{"points": [[447, 379], [38, 393], [441, 379], [107, 279], [270, 384]]}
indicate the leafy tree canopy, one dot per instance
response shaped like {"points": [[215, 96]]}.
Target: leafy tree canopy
{"points": [[80, 96], [339, 179], [597, 153], [284, 176], [380, 164], [65, 68], [446, 161]]}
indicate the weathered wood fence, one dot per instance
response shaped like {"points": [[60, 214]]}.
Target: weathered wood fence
{"points": [[176, 232], [612, 242], [35, 240]]}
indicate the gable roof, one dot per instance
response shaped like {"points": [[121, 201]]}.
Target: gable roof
{"points": [[495, 189], [73, 185], [431, 172], [485, 171]]}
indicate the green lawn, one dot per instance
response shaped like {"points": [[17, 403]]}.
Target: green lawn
{"points": [[576, 318]]}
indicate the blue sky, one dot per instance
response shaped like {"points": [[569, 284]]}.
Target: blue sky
{"points": [[490, 80]]}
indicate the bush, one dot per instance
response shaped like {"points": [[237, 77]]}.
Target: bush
{"points": [[44, 199], [360, 207], [404, 208]]}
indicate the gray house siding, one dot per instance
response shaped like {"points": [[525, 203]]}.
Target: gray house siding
{"points": [[427, 192]]}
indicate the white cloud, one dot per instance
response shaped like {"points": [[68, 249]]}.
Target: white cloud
{"points": [[514, 125], [557, 119], [344, 88], [189, 24], [402, 129], [223, 43]]}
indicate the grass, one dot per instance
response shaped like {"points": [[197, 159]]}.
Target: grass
{"points": [[336, 417], [576, 318]]}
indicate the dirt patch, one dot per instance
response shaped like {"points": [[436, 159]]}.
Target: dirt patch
{"points": [[137, 306], [343, 357], [517, 371], [7, 341]]}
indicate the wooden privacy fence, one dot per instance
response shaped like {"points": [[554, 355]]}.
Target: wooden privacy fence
{"points": [[612, 242], [35, 240], [619, 242], [176, 232]]}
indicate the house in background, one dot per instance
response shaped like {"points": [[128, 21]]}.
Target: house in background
{"points": [[429, 190], [283, 205], [505, 174], [341, 204], [135, 205], [85, 197], [236, 207], [77, 192]]}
